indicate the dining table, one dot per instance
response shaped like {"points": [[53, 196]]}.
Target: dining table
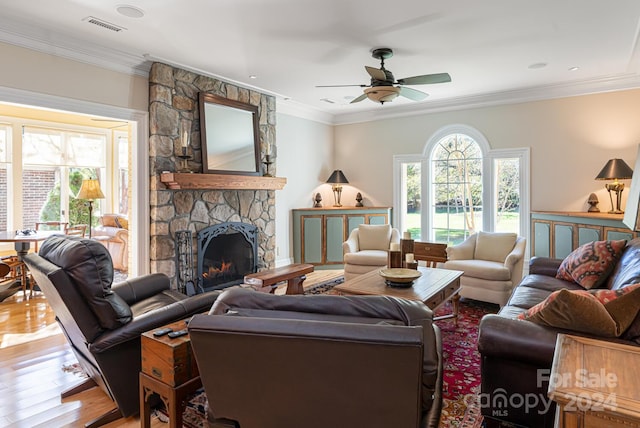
{"points": [[22, 240]]}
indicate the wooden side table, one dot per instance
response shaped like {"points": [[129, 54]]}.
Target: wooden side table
{"points": [[169, 370], [595, 383]]}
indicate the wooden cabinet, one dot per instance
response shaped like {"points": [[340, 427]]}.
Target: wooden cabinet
{"points": [[595, 383], [556, 234], [318, 233]]}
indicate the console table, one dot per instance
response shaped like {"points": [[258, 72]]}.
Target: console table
{"points": [[595, 383], [318, 233]]}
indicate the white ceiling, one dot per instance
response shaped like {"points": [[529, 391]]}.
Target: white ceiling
{"points": [[293, 45]]}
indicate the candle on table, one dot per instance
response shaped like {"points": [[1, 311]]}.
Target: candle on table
{"points": [[406, 235], [409, 258], [394, 246]]}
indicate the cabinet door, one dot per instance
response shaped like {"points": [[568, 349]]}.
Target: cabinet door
{"points": [[378, 219], [335, 236], [614, 234], [541, 238], [563, 236], [353, 221], [312, 231], [588, 233]]}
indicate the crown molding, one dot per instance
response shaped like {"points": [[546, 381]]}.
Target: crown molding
{"points": [[52, 42]]}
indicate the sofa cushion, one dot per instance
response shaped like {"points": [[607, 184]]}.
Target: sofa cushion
{"points": [[494, 246], [590, 264], [605, 313], [548, 283], [374, 236], [367, 258], [483, 269]]}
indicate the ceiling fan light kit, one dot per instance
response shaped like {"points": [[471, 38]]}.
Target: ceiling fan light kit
{"points": [[384, 87]]}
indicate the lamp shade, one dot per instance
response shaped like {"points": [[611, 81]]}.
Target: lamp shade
{"points": [[90, 189], [615, 169], [337, 177]]}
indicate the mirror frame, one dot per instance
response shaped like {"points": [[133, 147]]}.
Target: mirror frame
{"points": [[207, 98]]}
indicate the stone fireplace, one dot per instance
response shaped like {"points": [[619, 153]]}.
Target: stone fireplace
{"points": [[173, 96]]}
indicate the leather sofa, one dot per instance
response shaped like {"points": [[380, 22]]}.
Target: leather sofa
{"points": [[103, 322], [517, 354], [113, 233], [336, 361]]}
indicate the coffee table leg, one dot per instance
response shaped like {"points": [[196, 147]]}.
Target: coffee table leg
{"points": [[294, 285], [455, 300]]}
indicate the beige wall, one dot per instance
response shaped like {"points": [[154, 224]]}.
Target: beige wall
{"points": [[33, 71], [570, 139], [305, 153]]}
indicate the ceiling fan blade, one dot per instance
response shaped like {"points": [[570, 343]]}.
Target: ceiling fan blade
{"points": [[413, 94], [360, 98], [376, 73], [425, 79], [339, 86]]}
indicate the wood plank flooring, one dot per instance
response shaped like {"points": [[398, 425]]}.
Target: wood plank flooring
{"points": [[32, 353]]}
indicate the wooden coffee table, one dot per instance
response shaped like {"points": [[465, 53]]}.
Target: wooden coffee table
{"points": [[433, 288]]}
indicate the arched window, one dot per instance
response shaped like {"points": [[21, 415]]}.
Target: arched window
{"points": [[459, 186]]}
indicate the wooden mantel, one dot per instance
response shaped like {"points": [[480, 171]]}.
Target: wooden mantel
{"points": [[186, 181]]}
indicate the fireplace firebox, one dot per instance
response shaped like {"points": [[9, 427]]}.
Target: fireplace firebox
{"points": [[226, 253]]}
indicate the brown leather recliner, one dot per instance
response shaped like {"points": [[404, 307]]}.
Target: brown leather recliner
{"points": [[320, 361], [103, 323]]}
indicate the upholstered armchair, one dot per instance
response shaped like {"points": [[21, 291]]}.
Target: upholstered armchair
{"points": [[113, 233], [103, 322], [492, 265], [367, 248], [359, 361]]}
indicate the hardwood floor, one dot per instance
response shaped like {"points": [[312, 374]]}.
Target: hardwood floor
{"points": [[33, 352]]}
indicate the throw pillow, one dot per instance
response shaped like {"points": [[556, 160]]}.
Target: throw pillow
{"points": [[604, 313], [122, 222], [108, 220], [591, 263], [494, 246], [374, 236]]}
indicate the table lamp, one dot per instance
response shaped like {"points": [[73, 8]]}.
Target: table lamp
{"points": [[615, 169], [336, 179], [90, 190]]}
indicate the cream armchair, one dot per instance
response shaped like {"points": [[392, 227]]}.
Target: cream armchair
{"points": [[367, 248], [492, 265]]}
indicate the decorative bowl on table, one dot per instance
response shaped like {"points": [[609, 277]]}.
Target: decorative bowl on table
{"points": [[398, 277]]}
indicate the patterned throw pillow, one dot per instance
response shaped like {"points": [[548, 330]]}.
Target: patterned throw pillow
{"points": [[605, 313], [591, 263]]}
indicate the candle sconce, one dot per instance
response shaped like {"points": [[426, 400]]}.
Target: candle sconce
{"points": [[184, 161], [268, 160]]}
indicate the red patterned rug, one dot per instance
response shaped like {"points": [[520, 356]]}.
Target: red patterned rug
{"points": [[461, 369], [462, 364]]}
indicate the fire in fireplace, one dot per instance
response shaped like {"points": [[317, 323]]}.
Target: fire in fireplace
{"points": [[226, 253]]}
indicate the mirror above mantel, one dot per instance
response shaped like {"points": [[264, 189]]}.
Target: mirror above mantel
{"points": [[230, 136]]}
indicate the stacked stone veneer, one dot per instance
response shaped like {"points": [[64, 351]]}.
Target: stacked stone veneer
{"points": [[173, 95]]}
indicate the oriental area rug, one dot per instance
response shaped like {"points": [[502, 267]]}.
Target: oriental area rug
{"points": [[461, 381]]}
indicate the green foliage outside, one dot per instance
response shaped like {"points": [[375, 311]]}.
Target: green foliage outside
{"points": [[78, 208]]}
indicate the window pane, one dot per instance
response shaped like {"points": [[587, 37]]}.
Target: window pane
{"points": [[86, 150], [123, 175], [40, 196], [457, 188], [507, 173], [41, 147], [410, 215]]}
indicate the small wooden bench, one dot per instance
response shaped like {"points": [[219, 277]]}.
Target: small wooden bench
{"points": [[267, 280]]}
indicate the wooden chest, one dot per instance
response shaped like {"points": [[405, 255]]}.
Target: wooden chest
{"points": [[171, 361]]}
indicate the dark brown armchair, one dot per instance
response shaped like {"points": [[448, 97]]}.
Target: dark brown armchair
{"points": [[103, 323], [318, 361]]}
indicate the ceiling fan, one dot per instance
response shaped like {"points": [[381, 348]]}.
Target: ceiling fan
{"points": [[383, 85]]}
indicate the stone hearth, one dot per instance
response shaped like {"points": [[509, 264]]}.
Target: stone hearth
{"points": [[173, 95]]}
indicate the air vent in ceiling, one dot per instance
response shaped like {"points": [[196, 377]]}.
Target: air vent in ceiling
{"points": [[104, 24]]}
